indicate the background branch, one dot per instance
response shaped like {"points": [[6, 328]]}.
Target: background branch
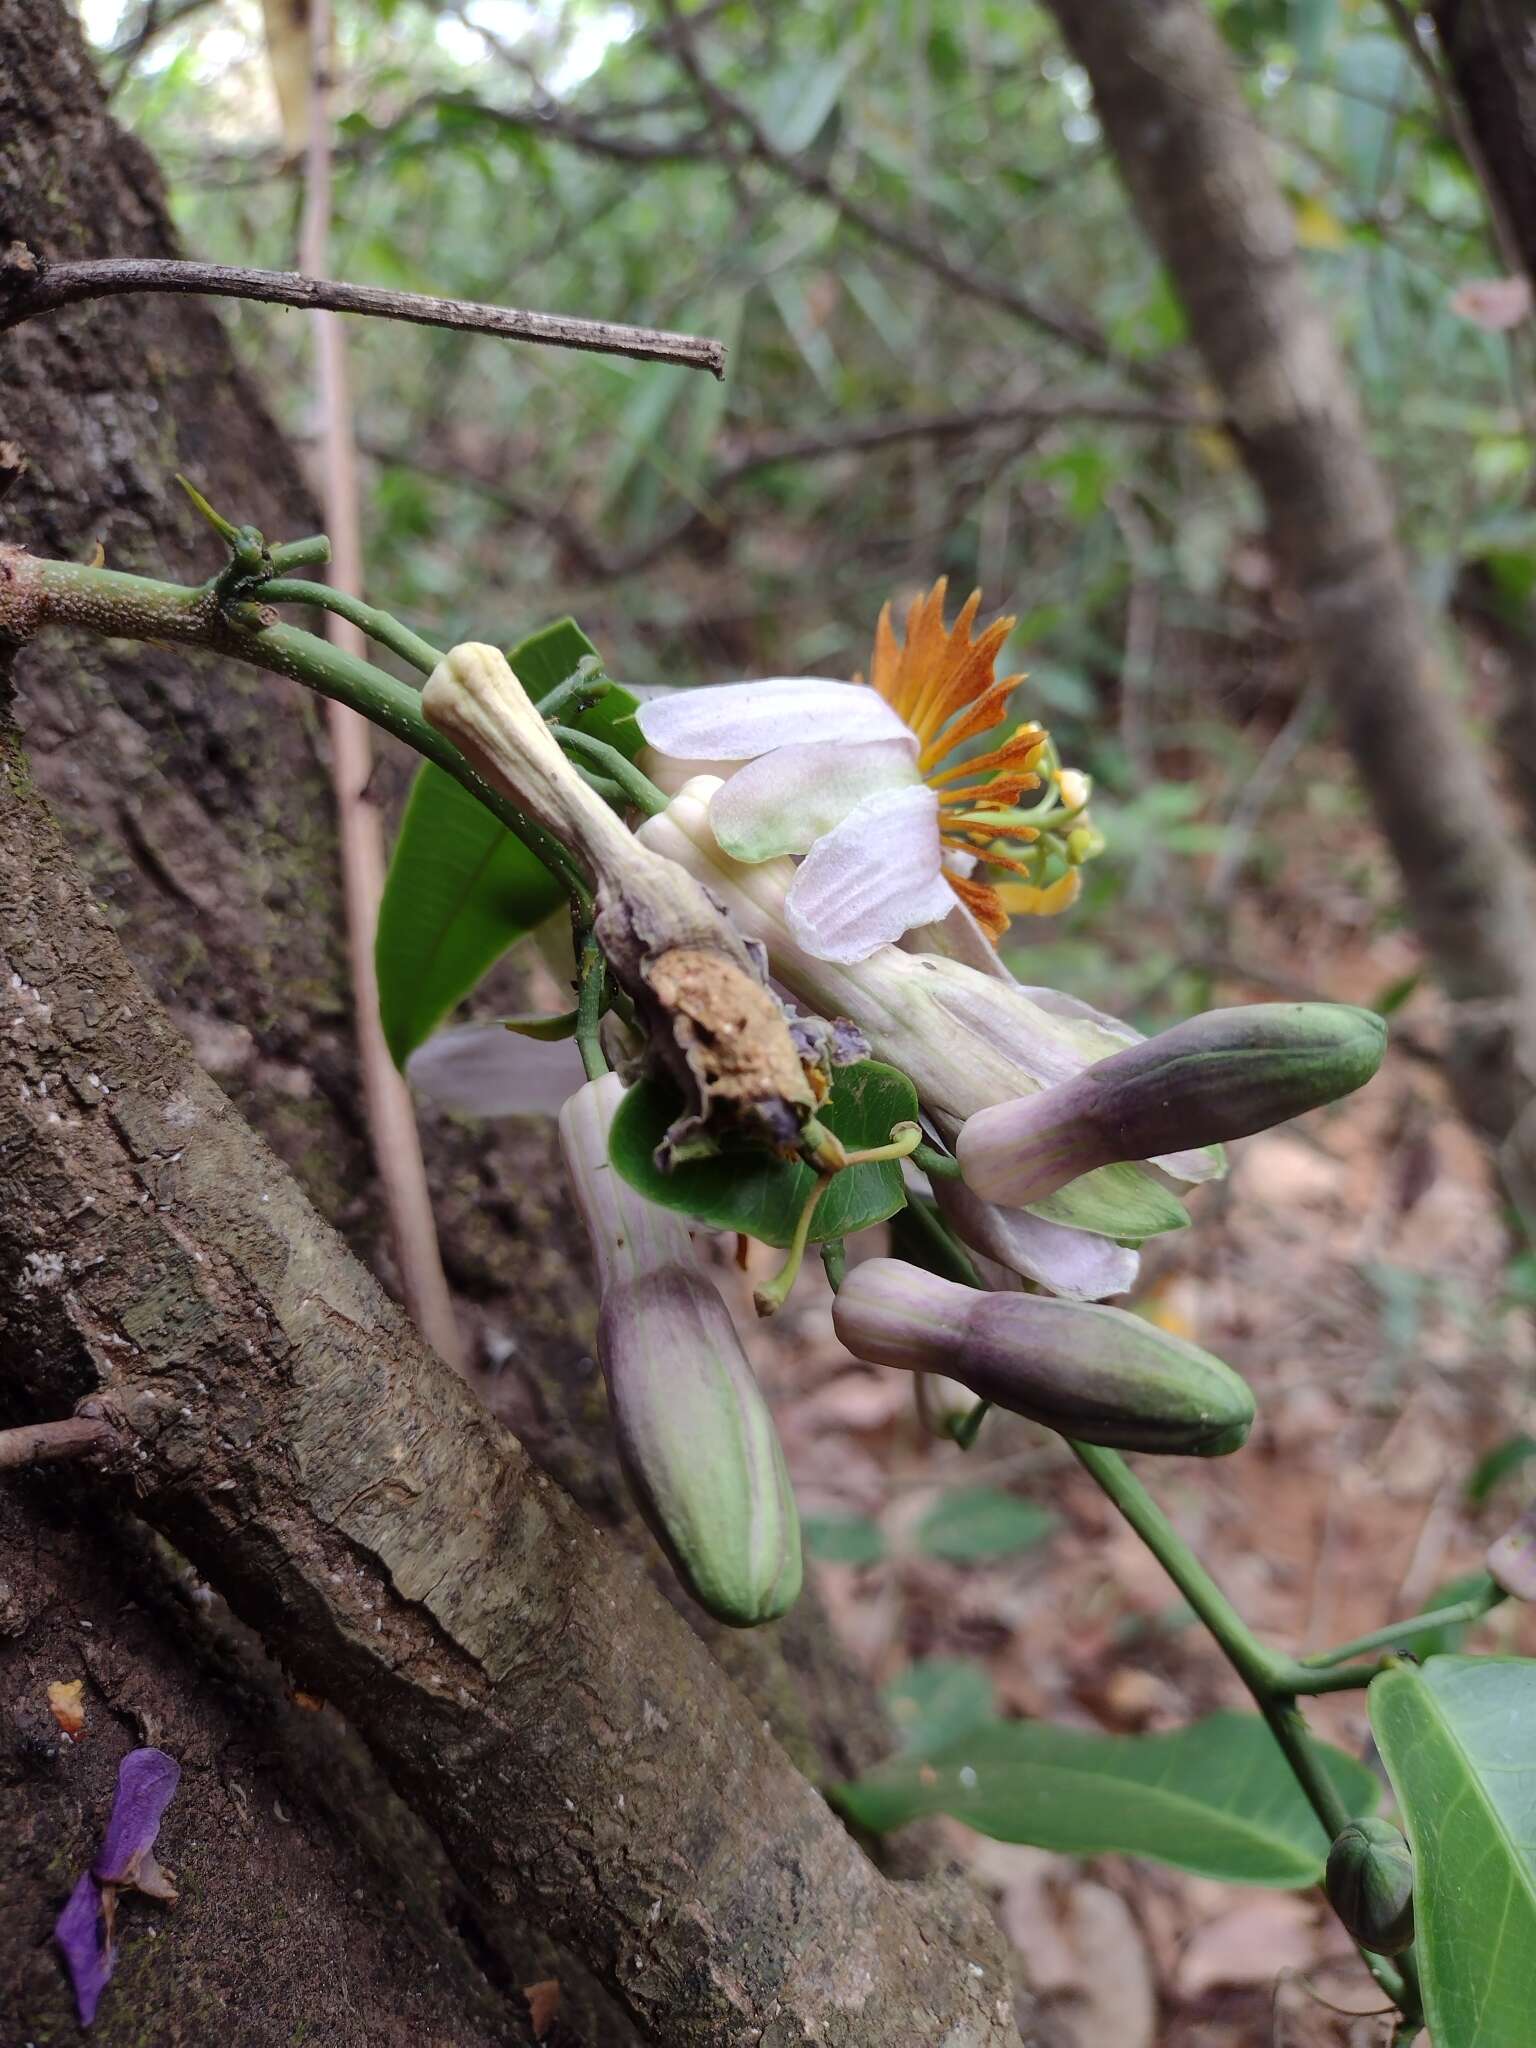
{"points": [[29, 287]]}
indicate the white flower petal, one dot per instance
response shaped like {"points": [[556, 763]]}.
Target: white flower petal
{"points": [[486, 1070], [870, 878], [785, 801], [1075, 1264], [739, 721], [671, 775]]}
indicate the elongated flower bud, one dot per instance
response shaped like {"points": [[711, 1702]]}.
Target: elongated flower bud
{"points": [[1222, 1075], [694, 1434], [1091, 1372], [1369, 1883]]}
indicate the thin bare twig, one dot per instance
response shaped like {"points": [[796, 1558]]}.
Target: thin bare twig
{"points": [[46, 1443], [1260, 790], [607, 564], [360, 828], [1064, 323], [29, 286]]}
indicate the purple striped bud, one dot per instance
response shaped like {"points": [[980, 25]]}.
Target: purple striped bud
{"points": [[1091, 1372], [1222, 1075], [694, 1433]]}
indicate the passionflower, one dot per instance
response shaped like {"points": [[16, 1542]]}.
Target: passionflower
{"points": [[879, 786], [967, 1039]]}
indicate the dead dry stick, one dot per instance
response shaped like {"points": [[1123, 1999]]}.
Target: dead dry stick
{"points": [[48, 1443], [29, 286], [360, 828]]}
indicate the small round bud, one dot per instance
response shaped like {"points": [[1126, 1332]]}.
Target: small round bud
{"points": [[1369, 1883], [1075, 788]]}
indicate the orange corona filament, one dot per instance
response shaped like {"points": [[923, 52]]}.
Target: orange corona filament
{"points": [[939, 681]]}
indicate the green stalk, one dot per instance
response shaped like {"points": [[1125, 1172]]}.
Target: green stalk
{"points": [[1258, 1668], [614, 766], [379, 626], [1473, 1608], [936, 1163], [592, 972], [128, 607]]}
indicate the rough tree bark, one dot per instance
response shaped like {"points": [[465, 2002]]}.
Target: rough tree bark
{"points": [[524, 1688], [196, 797], [1197, 169], [1489, 49]]}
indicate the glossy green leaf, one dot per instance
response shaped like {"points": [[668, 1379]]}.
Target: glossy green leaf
{"points": [[1123, 1202], [1458, 1737], [1495, 1466], [460, 888], [972, 1523], [843, 1539], [1217, 1797], [761, 1196], [937, 1701]]}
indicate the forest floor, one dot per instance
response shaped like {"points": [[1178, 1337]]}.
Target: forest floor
{"points": [[1355, 1268]]}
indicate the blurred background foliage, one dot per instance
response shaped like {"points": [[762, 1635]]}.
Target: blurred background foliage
{"points": [[893, 214]]}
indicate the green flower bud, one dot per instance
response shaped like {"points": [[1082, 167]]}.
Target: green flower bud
{"points": [[1091, 1372], [694, 1434], [1369, 1883], [698, 1445], [1222, 1075]]}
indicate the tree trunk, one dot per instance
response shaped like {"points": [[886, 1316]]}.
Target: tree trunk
{"points": [[1489, 49], [196, 796], [1198, 172], [522, 1686]]}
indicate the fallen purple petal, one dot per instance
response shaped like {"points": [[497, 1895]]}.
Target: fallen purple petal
{"points": [[146, 1782], [81, 1932]]}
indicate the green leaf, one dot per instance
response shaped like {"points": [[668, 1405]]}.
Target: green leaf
{"points": [[461, 889], [843, 1539], [1458, 1738], [1495, 1466], [976, 1522], [761, 1196], [1217, 1797], [937, 1701], [1114, 1201]]}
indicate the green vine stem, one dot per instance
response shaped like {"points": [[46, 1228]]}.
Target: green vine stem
{"points": [[614, 767], [1264, 1674], [35, 592], [1271, 1679], [591, 976], [1458, 1615], [379, 626]]}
